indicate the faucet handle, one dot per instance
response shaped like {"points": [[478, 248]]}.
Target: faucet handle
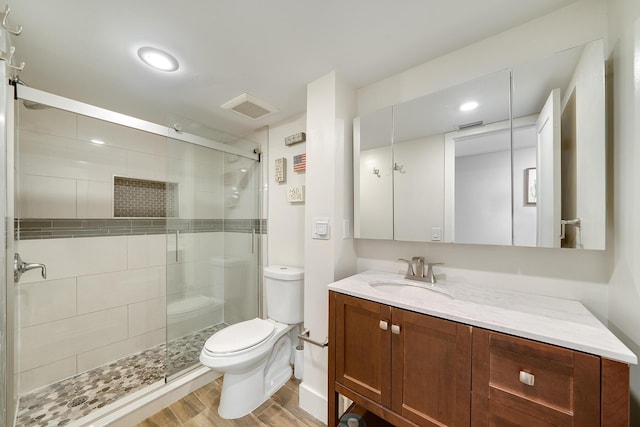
{"points": [[409, 266], [419, 262], [431, 278]]}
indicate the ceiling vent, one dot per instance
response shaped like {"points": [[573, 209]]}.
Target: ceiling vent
{"points": [[249, 106]]}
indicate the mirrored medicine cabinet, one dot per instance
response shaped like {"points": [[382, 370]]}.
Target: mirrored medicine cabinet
{"points": [[513, 158]]}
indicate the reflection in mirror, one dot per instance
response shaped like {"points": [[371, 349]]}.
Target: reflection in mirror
{"points": [[564, 93], [516, 157], [373, 208], [422, 202]]}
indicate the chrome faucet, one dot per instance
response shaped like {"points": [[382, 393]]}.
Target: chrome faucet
{"points": [[415, 269]]}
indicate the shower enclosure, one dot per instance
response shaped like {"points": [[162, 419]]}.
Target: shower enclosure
{"points": [[150, 237]]}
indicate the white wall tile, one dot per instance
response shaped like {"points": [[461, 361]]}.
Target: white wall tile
{"points": [[69, 158], [175, 278], [208, 205], [66, 258], [47, 301], [94, 199], [120, 136], [147, 316], [50, 121], [103, 355], [146, 251], [46, 197], [49, 342], [146, 166], [102, 291], [47, 374], [209, 245]]}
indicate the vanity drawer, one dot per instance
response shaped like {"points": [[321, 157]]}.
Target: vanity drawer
{"points": [[537, 372], [514, 379]]}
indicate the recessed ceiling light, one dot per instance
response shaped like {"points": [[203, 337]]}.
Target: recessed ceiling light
{"points": [[468, 106], [158, 59]]}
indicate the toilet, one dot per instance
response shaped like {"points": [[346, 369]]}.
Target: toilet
{"points": [[255, 355]]}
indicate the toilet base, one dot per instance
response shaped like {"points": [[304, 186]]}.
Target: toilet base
{"points": [[242, 393]]}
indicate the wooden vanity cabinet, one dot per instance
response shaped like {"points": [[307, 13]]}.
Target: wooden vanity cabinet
{"points": [[413, 369], [522, 382], [408, 368]]}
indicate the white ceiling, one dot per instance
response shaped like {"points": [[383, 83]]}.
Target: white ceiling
{"points": [[86, 50]]}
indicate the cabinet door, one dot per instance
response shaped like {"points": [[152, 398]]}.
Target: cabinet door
{"points": [[363, 347], [431, 369], [522, 382]]}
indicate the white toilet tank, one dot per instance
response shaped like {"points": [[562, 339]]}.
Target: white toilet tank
{"points": [[284, 289]]}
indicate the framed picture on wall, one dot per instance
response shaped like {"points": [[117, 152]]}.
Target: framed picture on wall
{"points": [[530, 187]]}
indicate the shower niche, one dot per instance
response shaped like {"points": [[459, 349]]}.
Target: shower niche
{"points": [[143, 198]]}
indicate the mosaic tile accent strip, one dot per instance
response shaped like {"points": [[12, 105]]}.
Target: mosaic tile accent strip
{"points": [[73, 398], [57, 228], [143, 198]]}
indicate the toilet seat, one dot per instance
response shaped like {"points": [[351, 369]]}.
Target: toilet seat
{"points": [[239, 337]]}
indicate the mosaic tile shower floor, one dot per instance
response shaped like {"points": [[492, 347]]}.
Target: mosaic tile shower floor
{"points": [[68, 400]]}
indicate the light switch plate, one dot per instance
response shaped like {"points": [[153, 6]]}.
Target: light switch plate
{"points": [[320, 228]]}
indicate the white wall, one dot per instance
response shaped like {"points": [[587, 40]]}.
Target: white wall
{"points": [[286, 219], [624, 246]]}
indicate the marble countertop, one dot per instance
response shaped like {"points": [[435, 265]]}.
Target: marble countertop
{"points": [[557, 321]]}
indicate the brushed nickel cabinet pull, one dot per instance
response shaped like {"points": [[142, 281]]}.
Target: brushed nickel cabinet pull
{"points": [[395, 329], [384, 325], [527, 378]]}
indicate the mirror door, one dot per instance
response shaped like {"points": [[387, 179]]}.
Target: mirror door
{"points": [[548, 172]]}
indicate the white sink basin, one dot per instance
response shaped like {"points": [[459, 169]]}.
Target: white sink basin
{"points": [[411, 289]]}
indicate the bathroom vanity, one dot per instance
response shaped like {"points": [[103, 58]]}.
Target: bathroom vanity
{"points": [[449, 354]]}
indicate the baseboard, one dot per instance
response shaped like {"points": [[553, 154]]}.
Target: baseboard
{"points": [[313, 402]]}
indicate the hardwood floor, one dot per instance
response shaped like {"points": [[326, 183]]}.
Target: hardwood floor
{"points": [[199, 409]]}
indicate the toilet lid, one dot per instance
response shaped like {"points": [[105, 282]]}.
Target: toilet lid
{"points": [[240, 336]]}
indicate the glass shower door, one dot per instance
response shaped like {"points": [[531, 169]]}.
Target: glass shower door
{"points": [[7, 394], [212, 246]]}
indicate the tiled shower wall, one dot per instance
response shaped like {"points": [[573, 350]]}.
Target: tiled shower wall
{"points": [[109, 280]]}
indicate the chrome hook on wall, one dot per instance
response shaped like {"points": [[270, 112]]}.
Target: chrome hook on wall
{"points": [[15, 32], [12, 51]]}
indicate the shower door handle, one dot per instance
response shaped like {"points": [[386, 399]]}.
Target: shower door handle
{"points": [[20, 267], [253, 241]]}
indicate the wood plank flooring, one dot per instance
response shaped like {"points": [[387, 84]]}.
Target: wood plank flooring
{"points": [[199, 409]]}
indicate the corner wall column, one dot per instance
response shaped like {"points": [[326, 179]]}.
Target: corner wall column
{"points": [[331, 107]]}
